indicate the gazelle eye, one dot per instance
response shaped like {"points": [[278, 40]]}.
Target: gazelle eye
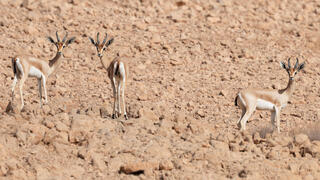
{"points": [[104, 48]]}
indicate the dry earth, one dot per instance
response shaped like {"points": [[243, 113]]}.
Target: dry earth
{"points": [[187, 60]]}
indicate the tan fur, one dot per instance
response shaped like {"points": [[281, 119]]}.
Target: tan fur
{"points": [[46, 68], [116, 78], [109, 66], [248, 99], [111, 70]]}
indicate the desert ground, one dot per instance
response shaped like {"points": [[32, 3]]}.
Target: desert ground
{"points": [[187, 61]]}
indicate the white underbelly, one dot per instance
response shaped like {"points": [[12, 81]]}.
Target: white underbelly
{"points": [[264, 105], [34, 72]]}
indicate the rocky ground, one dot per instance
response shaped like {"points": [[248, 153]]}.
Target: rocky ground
{"points": [[187, 61]]}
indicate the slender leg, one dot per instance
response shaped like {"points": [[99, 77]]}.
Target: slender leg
{"points": [[21, 83], [123, 101], [13, 86], [40, 91], [246, 116], [44, 89], [277, 111], [114, 114], [118, 98], [242, 114], [273, 117]]}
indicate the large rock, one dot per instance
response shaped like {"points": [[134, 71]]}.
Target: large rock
{"points": [[81, 125], [139, 167]]}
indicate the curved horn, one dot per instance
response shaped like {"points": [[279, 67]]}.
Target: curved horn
{"points": [[105, 39], [98, 42], [58, 39], [289, 66], [65, 37], [297, 64]]}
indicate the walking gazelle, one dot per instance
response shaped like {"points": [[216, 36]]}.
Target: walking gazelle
{"points": [[117, 73], [27, 66], [273, 100]]}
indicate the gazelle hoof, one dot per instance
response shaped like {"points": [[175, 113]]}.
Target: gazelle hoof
{"points": [[114, 116], [125, 116]]}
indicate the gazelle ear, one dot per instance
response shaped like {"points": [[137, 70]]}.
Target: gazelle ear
{"points": [[92, 41], [283, 65], [50, 39], [301, 66], [71, 40], [109, 42]]}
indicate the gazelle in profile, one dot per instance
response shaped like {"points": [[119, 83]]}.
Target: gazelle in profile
{"points": [[27, 66], [117, 73], [273, 100]]}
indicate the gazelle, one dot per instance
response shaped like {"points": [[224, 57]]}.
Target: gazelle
{"points": [[273, 100], [27, 66], [117, 73]]}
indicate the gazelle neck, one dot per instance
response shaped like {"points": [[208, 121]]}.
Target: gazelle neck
{"points": [[105, 62], [290, 87], [55, 62]]}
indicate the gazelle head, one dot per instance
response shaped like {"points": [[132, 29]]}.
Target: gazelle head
{"points": [[61, 44], [292, 71], [101, 47]]}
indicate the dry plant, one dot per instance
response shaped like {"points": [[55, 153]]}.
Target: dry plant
{"points": [[312, 131], [264, 130]]}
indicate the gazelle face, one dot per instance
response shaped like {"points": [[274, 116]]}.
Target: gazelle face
{"points": [[61, 44], [292, 71], [101, 47]]}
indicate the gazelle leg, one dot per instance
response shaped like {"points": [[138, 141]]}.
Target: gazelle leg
{"points": [[21, 83], [242, 114], [13, 86], [44, 89], [273, 117], [247, 115], [118, 98], [277, 112], [115, 113], [123, 101], [40, 91]]}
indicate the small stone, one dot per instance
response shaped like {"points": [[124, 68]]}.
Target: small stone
{"points": [[222, 93], [46, 109], [214, 19], [301, 139], [201, 113], [48, 123], [166, 165], [61, 127], [156, 38]]}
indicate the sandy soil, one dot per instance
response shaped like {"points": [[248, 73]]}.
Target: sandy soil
{"points": [[187, 61]]}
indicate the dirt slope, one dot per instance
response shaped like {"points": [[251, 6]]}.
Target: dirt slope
{"points": [[187, 61]]}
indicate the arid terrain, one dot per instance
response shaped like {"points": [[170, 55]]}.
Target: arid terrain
{"points": [[187, 61]]}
